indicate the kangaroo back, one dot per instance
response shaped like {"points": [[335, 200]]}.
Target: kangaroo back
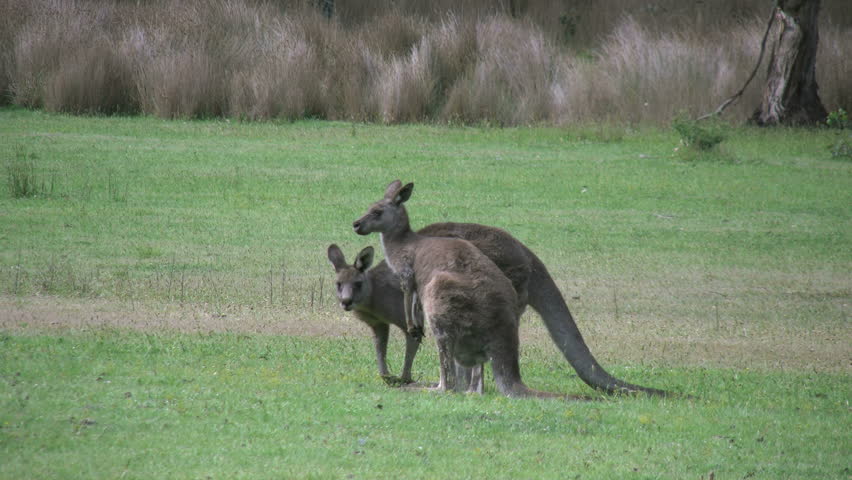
{"points": [[536, 287]]}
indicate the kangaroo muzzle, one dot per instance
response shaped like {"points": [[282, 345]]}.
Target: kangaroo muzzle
{"points": [[357, 226]]}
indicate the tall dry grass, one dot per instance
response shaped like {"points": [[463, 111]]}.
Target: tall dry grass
{"points": [[510, 76], [834, 68], [63, 59], [644, 76], [12, 15], [470, 61]]}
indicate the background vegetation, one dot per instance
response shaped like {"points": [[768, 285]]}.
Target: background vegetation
{"points": [[471, 61]]}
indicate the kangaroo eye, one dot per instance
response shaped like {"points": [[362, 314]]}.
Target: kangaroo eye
{"points": [[338, 286], [357, 285], [377, 213]]}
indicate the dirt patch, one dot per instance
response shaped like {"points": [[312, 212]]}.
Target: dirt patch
{"points": [[765, 347], [826, 349], [52, 313]]}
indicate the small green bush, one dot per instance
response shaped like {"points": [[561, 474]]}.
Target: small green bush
{"points": [[838, 119], [702, 136]]}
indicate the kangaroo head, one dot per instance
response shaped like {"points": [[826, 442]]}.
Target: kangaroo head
{"points": [[353, 284], [388, 213]]}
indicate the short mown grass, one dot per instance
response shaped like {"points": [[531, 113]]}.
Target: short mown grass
{"points": [[166, 310], [105, 404]]}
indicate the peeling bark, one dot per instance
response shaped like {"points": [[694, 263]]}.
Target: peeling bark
{"points": [[791, 95]]}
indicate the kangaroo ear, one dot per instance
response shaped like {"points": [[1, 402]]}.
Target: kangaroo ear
{"points": [[403, 194], [335, 256], [392, 188], [364, 259]]}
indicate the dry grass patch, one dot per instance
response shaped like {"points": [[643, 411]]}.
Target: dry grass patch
{"points": [[40, 314], [623, 338]]}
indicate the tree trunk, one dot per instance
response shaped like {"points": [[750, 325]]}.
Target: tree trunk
{"points": [[791, 94]]}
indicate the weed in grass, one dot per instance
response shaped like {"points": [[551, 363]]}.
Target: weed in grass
{"points": [[24, 179], [842, 148], [18, 275], [115, 190], [145, 252], [57, 277]]}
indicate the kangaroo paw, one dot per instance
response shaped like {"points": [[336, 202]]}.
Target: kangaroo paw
{"points": [[394, 381]]}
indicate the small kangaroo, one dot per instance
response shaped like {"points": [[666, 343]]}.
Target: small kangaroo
{"points": [[471, 305], [375, 298], [358, 290]]}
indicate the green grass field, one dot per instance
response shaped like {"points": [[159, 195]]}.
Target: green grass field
{"points": [[165, 304]]}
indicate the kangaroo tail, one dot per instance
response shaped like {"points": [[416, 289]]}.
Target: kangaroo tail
{"points": [[546, 299]]}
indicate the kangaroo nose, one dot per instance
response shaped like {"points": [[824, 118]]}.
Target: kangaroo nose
{"points": [[356, 224], [346, 303]]}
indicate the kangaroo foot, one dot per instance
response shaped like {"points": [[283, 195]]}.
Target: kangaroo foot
{"points": [[394, 381]]}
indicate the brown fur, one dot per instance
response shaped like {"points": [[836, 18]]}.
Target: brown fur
{"points": [[471, 305], [376, 300], [536, 288], [533, 285], [382, 299]]}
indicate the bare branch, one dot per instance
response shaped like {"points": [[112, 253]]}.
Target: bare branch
{"points": [[739, 94]]}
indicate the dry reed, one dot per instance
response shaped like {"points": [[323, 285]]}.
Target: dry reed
{"points": [[504, 63]]}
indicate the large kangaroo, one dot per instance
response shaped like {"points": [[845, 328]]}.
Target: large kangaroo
{"points": [[471, 306], [533, 285]]}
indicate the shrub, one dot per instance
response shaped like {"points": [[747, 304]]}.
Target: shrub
{"points": [[838, 119], [406, 86], [700, 136], [13, 15], [280, 79], [181, 84], [354, 94], [511, 77], [95, 79], [650, 76], [182, 62], [65, 60], [392, 33]]}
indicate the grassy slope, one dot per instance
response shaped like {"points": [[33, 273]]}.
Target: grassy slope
{"points": [[669, 265]]}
